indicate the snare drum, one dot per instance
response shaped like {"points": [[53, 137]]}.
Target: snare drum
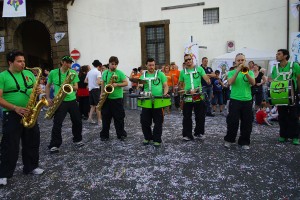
{"points": [[161, 102], [281, 93], [189, 98], [144, 102]]}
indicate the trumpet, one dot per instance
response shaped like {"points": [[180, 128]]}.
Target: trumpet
{"points": [[244, 69]]}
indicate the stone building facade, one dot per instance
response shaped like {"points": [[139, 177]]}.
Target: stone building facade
{"points": [[34, 34]]}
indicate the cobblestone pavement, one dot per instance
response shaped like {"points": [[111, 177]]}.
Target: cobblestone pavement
{"points": [[199, 169]]}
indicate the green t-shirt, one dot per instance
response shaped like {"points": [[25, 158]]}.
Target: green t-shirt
{"points": [[53, 78], [8, 84], [296, 72], [118, 91], [186, 78], [156, 85], [241, 88]]}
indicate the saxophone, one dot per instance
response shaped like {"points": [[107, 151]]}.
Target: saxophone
{"points": [[66, 88], [108, 89], [29, 120]]}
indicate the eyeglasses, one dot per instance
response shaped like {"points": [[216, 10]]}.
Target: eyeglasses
{"points": [[185, 60]]}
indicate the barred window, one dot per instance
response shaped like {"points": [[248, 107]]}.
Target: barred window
{"points": [[211, 16], [155, 44], [155, 41]]}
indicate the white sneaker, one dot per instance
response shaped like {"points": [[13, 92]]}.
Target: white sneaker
{"points": [[54, 150], [79, 144], [3, 181], [99, 123], [227, 144], [246, 147], [37, 171], [186, 138], [91, 121]]}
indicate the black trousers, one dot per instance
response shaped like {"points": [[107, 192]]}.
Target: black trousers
{"points": [[84, 105], [65, 107], [177, 101], [113, 108], [147, 115], [199, 110], [13, 131], [239, 110], [288, 121]]}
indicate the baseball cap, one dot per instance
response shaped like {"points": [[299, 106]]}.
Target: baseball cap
{"points": [[67, 58]]}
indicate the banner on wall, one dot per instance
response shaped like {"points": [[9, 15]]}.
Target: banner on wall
{"points": [[193, 49], [2, 47], [14, 8], [295, 46]]}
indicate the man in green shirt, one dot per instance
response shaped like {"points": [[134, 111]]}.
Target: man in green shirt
{"points": [[156, 84], [240, 106], [15, 89], [68, 105], [113, 105], [190, 81], [288, 118]]}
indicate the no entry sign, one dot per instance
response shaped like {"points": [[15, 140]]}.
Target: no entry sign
{"points": [[75, 54]]}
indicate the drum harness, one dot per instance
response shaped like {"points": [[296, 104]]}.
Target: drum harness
{"points": [[192, 76], [285, 75]]}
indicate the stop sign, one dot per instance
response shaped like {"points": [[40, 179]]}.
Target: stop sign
{"points": [[75, 54]]}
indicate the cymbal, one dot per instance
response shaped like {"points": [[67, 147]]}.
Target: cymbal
{"points": [[137, 80]]}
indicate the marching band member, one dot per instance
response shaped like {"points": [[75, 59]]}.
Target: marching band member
{"points": [[113, 105], [190, 79], [15, 89], [288, 118], [240, 105], [68, 105], [156, 84]]}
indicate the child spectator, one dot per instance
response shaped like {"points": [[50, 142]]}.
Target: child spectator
{"points": [[217, 97], [261, 115]]}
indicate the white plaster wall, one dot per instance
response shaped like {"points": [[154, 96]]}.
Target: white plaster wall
{"points": [[101, 28]]}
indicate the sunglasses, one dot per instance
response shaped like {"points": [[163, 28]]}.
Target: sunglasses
{"points": [[187, 59]]}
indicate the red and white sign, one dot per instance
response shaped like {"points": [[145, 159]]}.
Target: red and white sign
{"points": [[75, 54]]}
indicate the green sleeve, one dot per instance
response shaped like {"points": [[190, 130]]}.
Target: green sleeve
{"points": [[296, 69], [230, 74], [2, 81], [201, 71], [274, 73], [50, 77], [122, 76], [181, 76], [163, 77]]}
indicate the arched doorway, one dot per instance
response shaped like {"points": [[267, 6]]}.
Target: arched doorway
{"points": [[33, 38]]}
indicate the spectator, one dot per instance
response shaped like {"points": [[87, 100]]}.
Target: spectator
{"points": [[217, 97], [262, 116], [83, 93]]}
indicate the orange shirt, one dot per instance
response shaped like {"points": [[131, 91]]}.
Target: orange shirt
{"points": [[135, 76], [176, 74], [169, 78]]}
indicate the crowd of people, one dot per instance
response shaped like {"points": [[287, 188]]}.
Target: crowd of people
{"points": [[98, 90]]}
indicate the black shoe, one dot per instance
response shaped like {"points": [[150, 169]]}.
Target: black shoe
{"points": [[104, 139], [84, 118], [122, 138], [210, 115]]}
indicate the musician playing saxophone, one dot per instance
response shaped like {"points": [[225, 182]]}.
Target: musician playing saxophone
{"points": [[68, 105], [113, 105], [15, 88]]}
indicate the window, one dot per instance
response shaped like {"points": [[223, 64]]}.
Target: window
{"points": [[211, 16], [155, 41]]}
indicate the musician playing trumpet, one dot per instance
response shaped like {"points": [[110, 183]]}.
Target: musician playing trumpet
{"points": [[240, 106], [190, 80]]}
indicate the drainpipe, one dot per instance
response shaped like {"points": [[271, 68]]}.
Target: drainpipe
{"points": [[288, 24]]}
